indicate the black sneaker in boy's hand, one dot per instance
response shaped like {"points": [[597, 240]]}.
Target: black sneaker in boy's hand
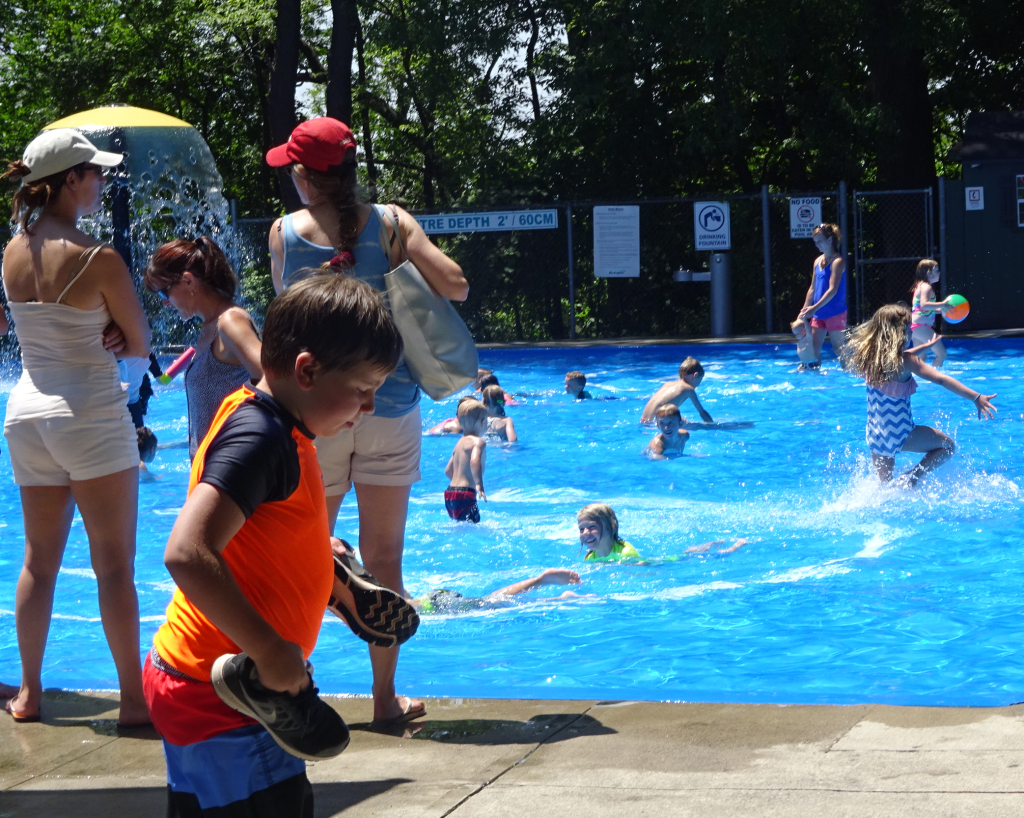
{"points": [[376, 614], [304, 725]]}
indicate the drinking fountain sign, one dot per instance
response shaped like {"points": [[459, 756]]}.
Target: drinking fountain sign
{"points": [[711, 229]]}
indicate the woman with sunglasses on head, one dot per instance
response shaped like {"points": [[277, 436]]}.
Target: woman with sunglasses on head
{"points": [[195, 279], [381, 453], [825, 304], [70, 435]]}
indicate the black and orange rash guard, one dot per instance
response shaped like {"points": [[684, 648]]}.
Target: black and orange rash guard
{"points": [[264, 460]]}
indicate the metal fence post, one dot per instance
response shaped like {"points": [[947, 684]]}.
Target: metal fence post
{"points": [[845, 248], [572, 283], [942, 233], [769, 323]]}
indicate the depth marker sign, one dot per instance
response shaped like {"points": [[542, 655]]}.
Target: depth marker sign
{"points": [[711, 229], [489, 222]]}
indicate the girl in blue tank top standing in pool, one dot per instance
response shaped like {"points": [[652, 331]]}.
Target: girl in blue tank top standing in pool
{"points": [[825, 304], [381, 453]]}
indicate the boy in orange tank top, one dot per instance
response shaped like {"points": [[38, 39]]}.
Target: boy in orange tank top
{"points": [[252, 558]]}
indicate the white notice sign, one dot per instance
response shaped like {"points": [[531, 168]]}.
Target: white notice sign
{"points": [[975, 198], [489, 222], [804, 216], [617, 242], [711, 230]]}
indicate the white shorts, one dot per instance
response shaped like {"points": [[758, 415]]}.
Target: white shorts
{"points": [[376, 451], [55, 451]]}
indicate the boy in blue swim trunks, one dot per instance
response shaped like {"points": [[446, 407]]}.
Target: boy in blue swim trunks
{"points": [[465, 469]]}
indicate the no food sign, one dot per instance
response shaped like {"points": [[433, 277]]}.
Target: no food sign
{"points": [[804, 216], [711, 228]]}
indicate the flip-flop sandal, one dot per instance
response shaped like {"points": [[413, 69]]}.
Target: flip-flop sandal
{"points": [[381, 617], [410, 714], [20, 718]]}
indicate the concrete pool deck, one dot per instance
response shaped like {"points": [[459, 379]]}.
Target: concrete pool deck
{"points": [[472, 758]]}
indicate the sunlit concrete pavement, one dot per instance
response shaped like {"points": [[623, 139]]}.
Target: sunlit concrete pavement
{"points": [[499, 758]]}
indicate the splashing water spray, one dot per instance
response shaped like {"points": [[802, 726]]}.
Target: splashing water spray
{"points": [[167, 187]]}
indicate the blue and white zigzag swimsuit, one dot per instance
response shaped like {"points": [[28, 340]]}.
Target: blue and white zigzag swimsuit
{"points": [[890, 421]]}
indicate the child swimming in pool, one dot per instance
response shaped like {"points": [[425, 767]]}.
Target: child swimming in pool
{"points": [[465, 469], [492, 380], [691, 373], [599, 534], [445, 600], [670, 440], [498, 424], [576, 385], [451, 426], [879, 351]]}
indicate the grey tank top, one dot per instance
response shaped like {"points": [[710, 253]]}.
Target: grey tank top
{"points": [[400, 393], [207, 383]]}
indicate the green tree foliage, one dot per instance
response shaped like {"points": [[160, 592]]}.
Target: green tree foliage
{"points": [[504, 102]]}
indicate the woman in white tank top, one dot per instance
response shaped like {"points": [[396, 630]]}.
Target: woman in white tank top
{"points": [[69, 433]]}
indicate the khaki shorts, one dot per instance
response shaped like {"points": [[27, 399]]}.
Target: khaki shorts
{"points": [[376, 451], [55, 451]]}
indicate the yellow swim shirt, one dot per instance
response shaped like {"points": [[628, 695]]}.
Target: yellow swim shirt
{"points": [[621, 550]]}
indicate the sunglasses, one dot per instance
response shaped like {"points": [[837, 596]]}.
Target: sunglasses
{"points": [[102, 171]]}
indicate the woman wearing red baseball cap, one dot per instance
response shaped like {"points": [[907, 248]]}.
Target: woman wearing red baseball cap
{"points": [[381, 454]]}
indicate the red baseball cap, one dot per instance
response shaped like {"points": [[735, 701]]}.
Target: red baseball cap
{"points": [[317, 143]]}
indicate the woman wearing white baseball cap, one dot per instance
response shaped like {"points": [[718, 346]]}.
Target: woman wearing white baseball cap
{"points": [[70, 436]]}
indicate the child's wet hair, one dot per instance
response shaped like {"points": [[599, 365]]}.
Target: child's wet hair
{"points": [[603, 515], [690, 366], [147, 443], [924, 268], [339, 320], [576, 375], [494, 396], [668, 410], [489, 380], [875, 349], [471, 409]]}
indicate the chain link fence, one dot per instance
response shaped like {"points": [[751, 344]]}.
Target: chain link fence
{"points": [[893, 231], [520, 280], [525, 284]]}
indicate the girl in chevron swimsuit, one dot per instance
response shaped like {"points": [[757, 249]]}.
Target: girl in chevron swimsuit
{"points": [[878, 352]]}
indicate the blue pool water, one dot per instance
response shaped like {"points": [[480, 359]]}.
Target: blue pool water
{"points": [[847, 593]]}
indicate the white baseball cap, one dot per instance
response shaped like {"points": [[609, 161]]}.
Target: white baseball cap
{"points": [[62, 149]]}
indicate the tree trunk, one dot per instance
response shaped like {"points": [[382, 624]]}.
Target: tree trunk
{"points": [[371, 166], [898, 84], [281, 94], [339, 60]]}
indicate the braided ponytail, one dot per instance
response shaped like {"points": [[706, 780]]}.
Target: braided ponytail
{"points": [[338, 183]]}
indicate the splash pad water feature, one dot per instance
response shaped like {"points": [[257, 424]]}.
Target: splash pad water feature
{"points": [[167, 187]]}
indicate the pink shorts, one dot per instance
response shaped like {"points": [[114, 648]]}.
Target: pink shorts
{"points": [[836, 322]]}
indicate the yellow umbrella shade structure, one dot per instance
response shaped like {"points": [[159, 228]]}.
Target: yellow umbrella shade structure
{"points": [[118, 116]]}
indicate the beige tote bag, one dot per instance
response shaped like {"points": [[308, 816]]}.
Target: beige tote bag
{"points": [[439, 350]]}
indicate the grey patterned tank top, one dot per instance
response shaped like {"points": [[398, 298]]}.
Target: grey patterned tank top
{"points": [[207, 383]]}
